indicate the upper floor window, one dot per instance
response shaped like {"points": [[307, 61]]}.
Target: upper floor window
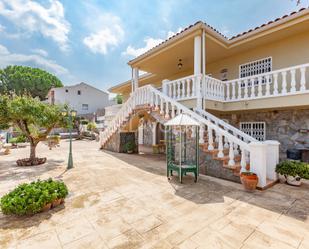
{"points": [[85, 107], [255, 68], [79, 92]]}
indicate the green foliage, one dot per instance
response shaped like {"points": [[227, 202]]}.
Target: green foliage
{"points": [[129, 146], [119, 99], [19, 139], [34, 118], [84, 122], [91, 126], [30, 198], [22, 79], [293, 168]]}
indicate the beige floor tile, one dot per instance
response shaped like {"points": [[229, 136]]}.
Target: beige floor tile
{"points": [[262, 241], [187, 244], [73, 230], [281, 232], [146, 224], [129, 239], [91, 241], [46, 240]]}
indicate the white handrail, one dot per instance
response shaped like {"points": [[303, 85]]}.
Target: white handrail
{"points": [[236, 132]]}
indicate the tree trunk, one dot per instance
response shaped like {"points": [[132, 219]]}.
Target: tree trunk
{"points": [[32, 151]]}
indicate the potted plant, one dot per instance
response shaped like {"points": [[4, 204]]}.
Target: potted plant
{"points": [[53, 141], [129, 147], [292, 172], [249, 180]]}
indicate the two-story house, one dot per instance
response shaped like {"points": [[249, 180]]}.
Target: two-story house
{"points": [[249, 92], [83, 98]]}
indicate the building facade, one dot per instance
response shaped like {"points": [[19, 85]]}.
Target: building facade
{"points": [[250, 92], [83, 98]]}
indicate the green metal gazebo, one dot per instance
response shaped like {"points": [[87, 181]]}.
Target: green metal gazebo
{"points": [[182, 148]]}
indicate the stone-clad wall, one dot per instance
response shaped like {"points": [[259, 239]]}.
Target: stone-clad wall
{"points": [[147, 133], [281, 125], [119, 139]]}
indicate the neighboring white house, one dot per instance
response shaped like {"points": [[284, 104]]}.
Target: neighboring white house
{"points": [[83, 98]]}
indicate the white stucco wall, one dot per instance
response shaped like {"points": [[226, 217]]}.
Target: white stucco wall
{"points": [[91, 96]]}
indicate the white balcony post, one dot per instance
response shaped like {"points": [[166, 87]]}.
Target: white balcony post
{"points": [[303, 79], [293, 81], [134, 81], [272, 158], [258, 161], [197, 54]]}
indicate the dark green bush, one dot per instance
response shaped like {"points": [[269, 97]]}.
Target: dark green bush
{"points": [[30, 198], [129, 146], [293, 168]]}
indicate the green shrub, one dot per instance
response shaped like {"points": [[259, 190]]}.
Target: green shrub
{"points": [[293, 168], [91, 126], [19, 139], [84, 122], [129, 146], [30, 198]]}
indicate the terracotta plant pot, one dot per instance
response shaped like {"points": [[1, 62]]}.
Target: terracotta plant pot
{"points": [[249, 180], [61, 200], [56, 203], [46, 207]]}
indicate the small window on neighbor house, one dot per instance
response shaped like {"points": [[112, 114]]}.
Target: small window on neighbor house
{"points": [[66, 90], [254, 129], [85, 107], [79, 92], [255, 68]]}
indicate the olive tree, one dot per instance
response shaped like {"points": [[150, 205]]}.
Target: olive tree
{"points": [[34, 118]]}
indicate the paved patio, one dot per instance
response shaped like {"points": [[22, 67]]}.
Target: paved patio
{"points": [[125, 201]]}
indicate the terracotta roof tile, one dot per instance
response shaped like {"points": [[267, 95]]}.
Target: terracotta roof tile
{"points": [[233, 37]]}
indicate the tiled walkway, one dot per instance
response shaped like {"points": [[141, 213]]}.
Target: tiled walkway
{"points": [[125, 201]]}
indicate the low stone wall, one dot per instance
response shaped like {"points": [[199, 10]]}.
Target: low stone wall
{"points": [[289, 127], [119, 139]]}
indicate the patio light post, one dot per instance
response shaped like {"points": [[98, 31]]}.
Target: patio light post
{"points": [[70, 115]]}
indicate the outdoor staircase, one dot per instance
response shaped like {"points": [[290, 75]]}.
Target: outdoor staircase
{"points": [[226, 148]]}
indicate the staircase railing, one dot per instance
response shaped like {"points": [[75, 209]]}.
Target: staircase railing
{"points": [[218, 138], [236, 132]]}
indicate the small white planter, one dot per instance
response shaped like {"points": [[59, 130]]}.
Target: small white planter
{"points": [[293, 180]]}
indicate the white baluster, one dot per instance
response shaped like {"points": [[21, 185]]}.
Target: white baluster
{"points": [[228, 95], [188, 88], [260, 93], [220, 146], [243, 161], [233, 91], [201, 140], [267, 78], [276, 84], [226, 143], [157, 102], [293, 81], [183, 84], [231, 155], [161, 106], [193, 93], [210, 139], [252, 88], [239, 89], [236, 152], [174, 90], [284, 86], [246, 88], [178, 89], [170, 94], [303, 79], [167, 111], [173, 110]]}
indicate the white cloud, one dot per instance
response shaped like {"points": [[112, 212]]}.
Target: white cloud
{"points": [[108, 34], [33, 17], [149, 44], [8, 58], [40, 51]]}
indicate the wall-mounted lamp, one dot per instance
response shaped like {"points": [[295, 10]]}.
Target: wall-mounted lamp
{"points": [[179, 64]]}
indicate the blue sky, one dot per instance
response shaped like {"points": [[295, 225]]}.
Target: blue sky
{"points": [[92, 41]]}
